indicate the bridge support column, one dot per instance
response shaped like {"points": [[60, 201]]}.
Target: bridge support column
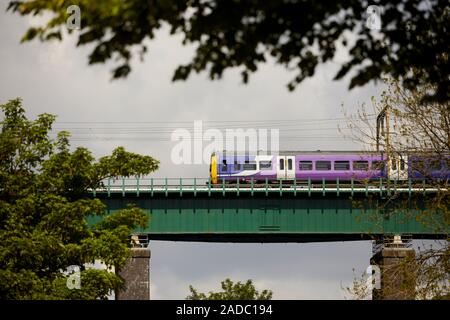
{"points": [[136, 274], [397, 277]]}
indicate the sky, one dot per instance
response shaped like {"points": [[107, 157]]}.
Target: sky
{"points": [[140, 113]]}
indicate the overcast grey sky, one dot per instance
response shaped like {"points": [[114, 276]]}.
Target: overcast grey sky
{"points": [[55, 78]]}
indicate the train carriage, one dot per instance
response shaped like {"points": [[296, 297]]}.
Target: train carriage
{"points": [[324, 165]]}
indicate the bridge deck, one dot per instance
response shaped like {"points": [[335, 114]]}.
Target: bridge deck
{"points": [[287, 212]]}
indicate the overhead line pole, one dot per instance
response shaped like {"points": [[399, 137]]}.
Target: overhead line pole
{"points": [[383, 128]]}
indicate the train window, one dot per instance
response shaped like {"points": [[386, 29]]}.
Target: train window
{"points": [[289, 164], [281, 164], [394, 163], [341, 165], [250, 165], [361, 165], [323, 165], [418, 165], [224, 165], [434, 165], [305, 165], [402, 164], [265, 165], [378, 165], [237, 166]]}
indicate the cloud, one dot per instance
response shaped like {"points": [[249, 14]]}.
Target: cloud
{"points": [[291, 271]]}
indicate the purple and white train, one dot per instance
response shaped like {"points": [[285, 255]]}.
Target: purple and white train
{"points": [[325, 165]]}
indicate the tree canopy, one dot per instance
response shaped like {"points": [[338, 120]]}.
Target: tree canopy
{"points": [[297, 34], [44, 209], [232, 291]]}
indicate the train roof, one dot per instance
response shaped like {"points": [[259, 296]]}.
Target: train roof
{"points": [[304, 152], [329, 152]]}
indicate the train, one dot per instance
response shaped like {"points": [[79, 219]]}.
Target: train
{"points": [[325, 166]]}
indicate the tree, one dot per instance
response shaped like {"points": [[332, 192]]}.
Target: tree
{"points": [[416, 129], [232, 291], [44, 209], [297, 34]]}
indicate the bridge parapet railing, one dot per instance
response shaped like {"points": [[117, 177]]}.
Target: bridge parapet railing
{"points": [[180, 185]]}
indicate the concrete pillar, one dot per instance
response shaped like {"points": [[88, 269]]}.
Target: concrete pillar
{"points": [[136, 274], [397, 275]]}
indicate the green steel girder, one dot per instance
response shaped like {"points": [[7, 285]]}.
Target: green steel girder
{"points": [[273, 217]]}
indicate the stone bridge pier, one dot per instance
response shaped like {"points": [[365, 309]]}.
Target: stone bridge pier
{"points": [[397, 277], [136, 273]]}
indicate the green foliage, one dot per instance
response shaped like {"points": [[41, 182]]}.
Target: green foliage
{"points": [[232, 291], [44, 207], [299, 35]]}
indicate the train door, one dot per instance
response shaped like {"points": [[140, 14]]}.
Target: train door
{"points": [[398, 169], [281, 164], [285, 167], [290, 167]]}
